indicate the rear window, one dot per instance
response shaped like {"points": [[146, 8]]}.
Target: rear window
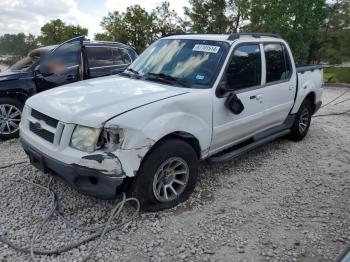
{"points": [[278, 65]]}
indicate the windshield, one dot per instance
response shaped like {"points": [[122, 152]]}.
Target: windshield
{"points": [[190, 63], [25, 63]]}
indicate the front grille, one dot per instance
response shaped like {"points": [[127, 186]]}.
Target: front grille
{"points": [[48, 120], [48, 136]]}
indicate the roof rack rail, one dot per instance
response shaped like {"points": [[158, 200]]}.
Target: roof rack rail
{"points": [[236, 36]]}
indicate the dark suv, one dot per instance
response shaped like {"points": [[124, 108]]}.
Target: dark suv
{"points": [[51, 66]]}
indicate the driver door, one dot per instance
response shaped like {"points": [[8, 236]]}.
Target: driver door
{"points": [[61, 66], [243, 77]]}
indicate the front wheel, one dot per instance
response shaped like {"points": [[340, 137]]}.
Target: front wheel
{"points": [[10, 117], [302, 122], [167, 175]]}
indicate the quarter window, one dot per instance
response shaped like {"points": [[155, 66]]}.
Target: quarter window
{"points": [[278, 65], [244, 69], [125, 56]]}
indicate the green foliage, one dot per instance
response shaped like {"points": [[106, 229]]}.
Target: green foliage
{"points": [[166, 20], [139, 28], [207, 16], [17, 44], [56, 32], [337, 75], [296, 21], [134, 27]]}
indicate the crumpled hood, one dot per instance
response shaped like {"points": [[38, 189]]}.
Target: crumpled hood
{"points": [[94, 101], [10, 75]]}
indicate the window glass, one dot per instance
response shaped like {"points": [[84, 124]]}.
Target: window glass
{"points": [[244, 69], [288, 62], [99, 56], [125, 56], [66, 55], [194, 62], [275, 63], [117, 57]]}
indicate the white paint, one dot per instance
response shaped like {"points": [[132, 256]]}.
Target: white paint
{"points": [[148, 111]]}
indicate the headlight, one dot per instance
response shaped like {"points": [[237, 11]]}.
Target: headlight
{"points": [[85, 138], [111, 138]]}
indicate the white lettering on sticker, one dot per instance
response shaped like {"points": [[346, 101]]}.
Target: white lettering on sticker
{"points": [[206, 48]]}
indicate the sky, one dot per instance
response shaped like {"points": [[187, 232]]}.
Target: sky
{"points": [[29, 16]]}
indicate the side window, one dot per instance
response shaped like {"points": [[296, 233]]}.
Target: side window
{"points": [[277, 66], [99, 56], [289, 69], [244, 69], [66, 55], [117, 57], [125, 56]]}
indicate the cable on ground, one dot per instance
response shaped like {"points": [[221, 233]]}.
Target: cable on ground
{"points": [[98, 231]]}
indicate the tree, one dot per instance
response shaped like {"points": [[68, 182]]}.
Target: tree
{"points": [[238, 12], [296, 21], [114, 25], [166, 20], [56, 32], [207, 16], [134, 27], [333, 41], [17, 44]]}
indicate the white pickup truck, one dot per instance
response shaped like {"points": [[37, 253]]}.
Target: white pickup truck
{"points": [[186, 98]]}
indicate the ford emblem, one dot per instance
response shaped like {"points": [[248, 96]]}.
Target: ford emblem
{"points": [[38, 125]]}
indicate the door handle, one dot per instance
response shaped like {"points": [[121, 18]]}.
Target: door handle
{"points": [[291, 88], [257, 97]]}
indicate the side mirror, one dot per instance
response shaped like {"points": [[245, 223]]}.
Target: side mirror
{"points": [[234, 104]]}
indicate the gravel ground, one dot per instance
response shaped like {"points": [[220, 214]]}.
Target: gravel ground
{"points": [[285, 201]]}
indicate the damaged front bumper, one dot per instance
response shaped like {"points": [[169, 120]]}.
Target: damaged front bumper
{"points": [[84, 178]]}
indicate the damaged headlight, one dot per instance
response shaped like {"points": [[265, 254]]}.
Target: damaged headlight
{"points": [[111, 139], [85, 138]]}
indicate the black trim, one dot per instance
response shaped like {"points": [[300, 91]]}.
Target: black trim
{"points": [[236, 36], [86, 180], [254, 142], [304, 68]]}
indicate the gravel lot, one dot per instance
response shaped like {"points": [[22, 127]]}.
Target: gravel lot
{"points": [[285, 201]]}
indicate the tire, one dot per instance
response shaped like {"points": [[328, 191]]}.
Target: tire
{"points": [[302, 122], [151, 183], [9, 107]]}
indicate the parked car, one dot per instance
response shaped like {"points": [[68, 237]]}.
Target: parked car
{"points": [[51, 66], [186, 98]]}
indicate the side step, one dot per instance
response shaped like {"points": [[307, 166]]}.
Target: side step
{"points": [[232, 154]]}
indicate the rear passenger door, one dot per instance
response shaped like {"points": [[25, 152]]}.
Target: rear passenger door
{"points": [[280, 84], [106, 60]]}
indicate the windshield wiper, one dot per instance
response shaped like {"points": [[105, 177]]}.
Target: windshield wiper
{"points": [[166, 78]]}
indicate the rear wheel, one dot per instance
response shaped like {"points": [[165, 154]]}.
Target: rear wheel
{"points": [[302, 122], [167, 175], [10, 117]]}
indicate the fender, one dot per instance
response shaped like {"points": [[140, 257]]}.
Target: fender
{"points": [[146, 126]]}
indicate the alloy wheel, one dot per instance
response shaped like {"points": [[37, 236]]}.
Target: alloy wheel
{"points": [[304, 120], [170, 179], [10, 116]]}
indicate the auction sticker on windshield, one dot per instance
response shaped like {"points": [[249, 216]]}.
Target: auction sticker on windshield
{"points": [[206, 48]]}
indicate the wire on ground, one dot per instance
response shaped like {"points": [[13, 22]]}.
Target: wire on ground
{"points": [[99, 231]]}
